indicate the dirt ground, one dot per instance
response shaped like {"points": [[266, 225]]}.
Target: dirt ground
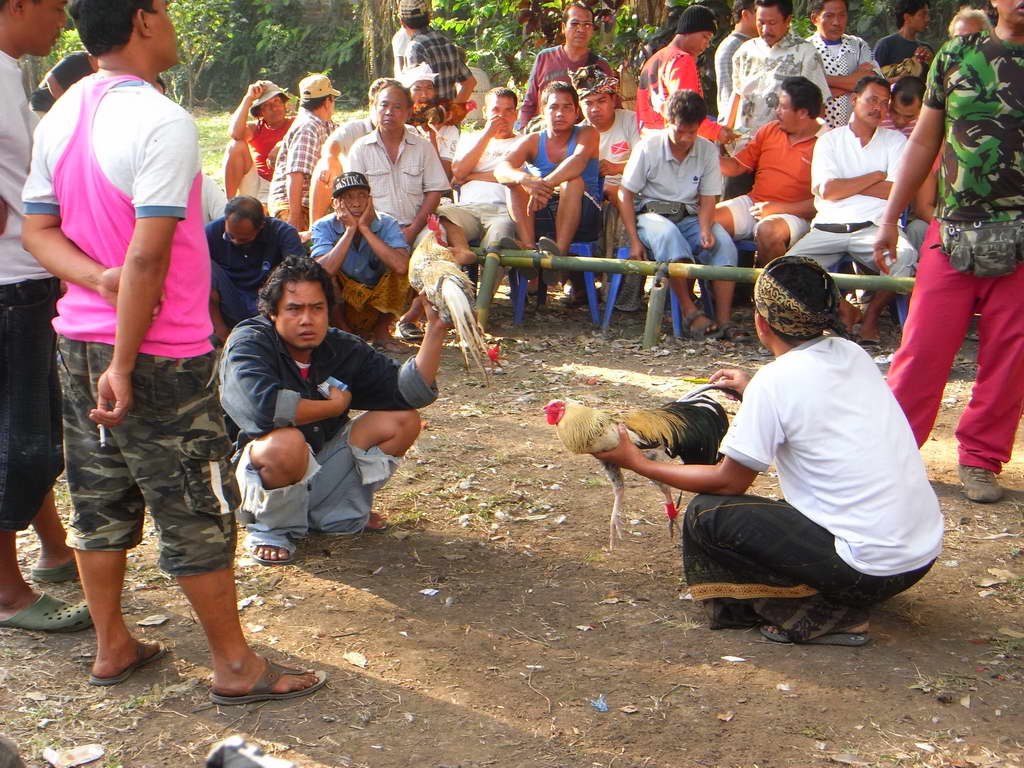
{"points": [[534, 618]]}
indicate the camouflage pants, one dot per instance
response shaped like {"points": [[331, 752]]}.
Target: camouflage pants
{"points": [[169, 454]]}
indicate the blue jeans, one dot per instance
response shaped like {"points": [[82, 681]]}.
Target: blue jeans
{"points": [[670, 242], [31, 439]]}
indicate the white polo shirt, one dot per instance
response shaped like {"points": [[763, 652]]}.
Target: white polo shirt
{"points": [[653, 173], [839, 155]]}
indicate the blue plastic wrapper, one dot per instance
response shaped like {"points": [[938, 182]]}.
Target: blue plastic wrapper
{"points": [[599, 704]]}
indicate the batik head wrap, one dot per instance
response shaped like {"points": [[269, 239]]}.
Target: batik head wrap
{"points": [[592, 79], [790, 313]]}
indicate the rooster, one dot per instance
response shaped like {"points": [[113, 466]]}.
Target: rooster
{"points": [[690, 429], [434, 271]]}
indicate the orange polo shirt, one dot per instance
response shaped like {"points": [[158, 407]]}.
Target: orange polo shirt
{"points": [[782, 168]]}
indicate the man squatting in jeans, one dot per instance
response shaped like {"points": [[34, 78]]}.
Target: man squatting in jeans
{"points": [[288, 382]]}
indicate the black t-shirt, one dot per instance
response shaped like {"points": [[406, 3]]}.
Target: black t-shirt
{"points": [[68, 71]]}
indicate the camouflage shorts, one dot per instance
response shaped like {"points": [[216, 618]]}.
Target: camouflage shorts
{"points": [[169, 454]]}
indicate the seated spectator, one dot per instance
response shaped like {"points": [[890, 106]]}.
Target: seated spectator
{"points": [[427, 119], [846, 58], [969, 21], [779, 209], [760, 65], [901, 53], [300, 149], [674, 68], [617, 127], [905, 105], [482, 210], [66, 73], [245, 245], [554, 178], [672, 181], [851, 175], [857, 524], [428, 46], [555, 64], [288, 381], [408, 187], [366, 255], [249, 158], [335, 151]]}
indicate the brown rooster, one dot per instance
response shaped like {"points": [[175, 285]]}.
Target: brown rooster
{"points": [[434, 271], [690, 429]]}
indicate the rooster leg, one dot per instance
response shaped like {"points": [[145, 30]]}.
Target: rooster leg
{"points": [[619, 489], [670, 509]]}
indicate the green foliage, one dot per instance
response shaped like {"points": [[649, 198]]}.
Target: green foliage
{"points": [[204, 29]]}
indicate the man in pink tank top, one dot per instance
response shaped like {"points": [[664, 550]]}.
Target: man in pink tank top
{"points": [[113, 209]]}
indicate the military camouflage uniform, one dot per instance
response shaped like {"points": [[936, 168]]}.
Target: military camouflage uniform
{"points": [[977, 81], [170, 454]]}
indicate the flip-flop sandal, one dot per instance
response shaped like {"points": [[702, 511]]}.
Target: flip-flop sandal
{"points": [[264, 561], [409, 332], [263, 690], [47, 614], [851, 639], [699, 334], [57, 574], [548, 246], [730, 332], [141, 660], [384, 528], [869, 343]]}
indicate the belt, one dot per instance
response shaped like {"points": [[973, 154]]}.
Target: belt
{"points": [[844, 229]]}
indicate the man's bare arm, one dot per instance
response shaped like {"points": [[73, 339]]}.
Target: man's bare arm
{"points": [[840, 189]]}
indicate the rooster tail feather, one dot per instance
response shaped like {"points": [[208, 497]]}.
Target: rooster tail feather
{"points": [[471, 336], [690, 430]]}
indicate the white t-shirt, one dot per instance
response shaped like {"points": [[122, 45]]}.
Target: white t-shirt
{"points": [[845, 454], [496, 150], [133, 123], [618, 141], [16, 264], [447, 139], [838, 154], [214, 200], [400, 48]]}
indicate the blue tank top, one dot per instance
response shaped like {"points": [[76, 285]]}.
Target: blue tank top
{"points": [[542, 166]]}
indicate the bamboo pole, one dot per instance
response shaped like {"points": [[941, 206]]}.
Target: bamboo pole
{"points": [[655, 313], [485, 290]]}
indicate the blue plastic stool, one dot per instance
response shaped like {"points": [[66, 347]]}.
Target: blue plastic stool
{"points": [[517, 287]]}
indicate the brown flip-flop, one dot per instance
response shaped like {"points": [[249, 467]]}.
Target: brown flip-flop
{"points": [[263, 690], [141, 660]]}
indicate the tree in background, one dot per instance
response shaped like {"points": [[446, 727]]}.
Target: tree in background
{"points": [[204, 29]]}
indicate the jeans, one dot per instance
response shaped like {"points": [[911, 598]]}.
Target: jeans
{"points": [[680, 241]]}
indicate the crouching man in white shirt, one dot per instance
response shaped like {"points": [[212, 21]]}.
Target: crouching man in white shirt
{"points": [[855, 527]]}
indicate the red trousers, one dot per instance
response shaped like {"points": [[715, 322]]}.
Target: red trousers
{"points": [[943, 303]]}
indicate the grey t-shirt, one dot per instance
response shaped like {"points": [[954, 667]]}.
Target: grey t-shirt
{"points": [[652, 173]]}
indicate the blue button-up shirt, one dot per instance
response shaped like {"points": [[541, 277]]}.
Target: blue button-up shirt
{"points": [[361, 264]]}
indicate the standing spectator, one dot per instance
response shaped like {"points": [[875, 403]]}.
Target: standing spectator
{"points": [[367, 257], [428, 46], [66, 73], [31, 456], [400, 50], [617, 127], [972, 113], [901, 53], [672, 181], [115, 195], [245, 245], [406, 176], [674, 68], [846, 58], [760, 65], [553, 176], [905, 105], [779, 208], [300, 149], [250, 156], [851, 175], [969, 21], [743, 29], [555, 64]]}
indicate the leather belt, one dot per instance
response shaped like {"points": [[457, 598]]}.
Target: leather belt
{"points": [[844, 229]]}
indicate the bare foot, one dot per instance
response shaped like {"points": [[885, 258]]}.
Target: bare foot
{"points": [[55, 559], [376, 522], [849, 315], [15, 602], [267, 552]]}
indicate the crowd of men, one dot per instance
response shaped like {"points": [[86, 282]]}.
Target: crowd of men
{"points": [[808, 157]]}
